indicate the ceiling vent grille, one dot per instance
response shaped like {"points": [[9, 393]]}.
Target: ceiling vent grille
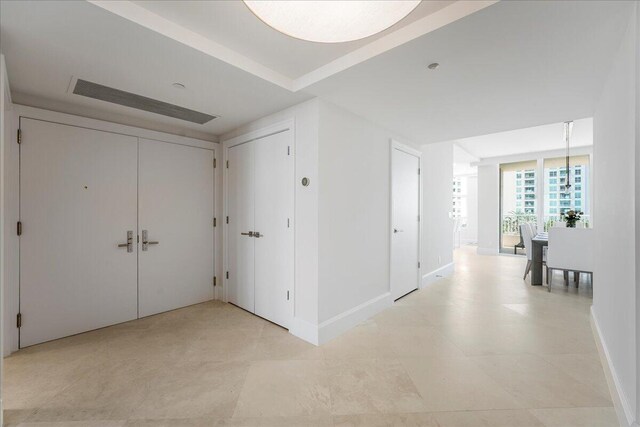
{"points": [[128, 99]]}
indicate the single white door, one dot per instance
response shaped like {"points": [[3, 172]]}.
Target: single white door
{"points": [[240, 211], [405, 233], [78, 200], [274, 227], [176, 250]]}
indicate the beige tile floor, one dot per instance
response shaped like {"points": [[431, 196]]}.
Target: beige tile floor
{"points": [[481, 348]]}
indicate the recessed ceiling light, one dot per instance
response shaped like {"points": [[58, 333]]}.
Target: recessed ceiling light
{"points": [[331, 21], [178, 85], [433, 66]]}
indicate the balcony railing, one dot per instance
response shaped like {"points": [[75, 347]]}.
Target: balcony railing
{"points": [[511, 222]]}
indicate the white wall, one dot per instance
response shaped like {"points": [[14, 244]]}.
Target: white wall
{"points": [[342, 218], [615, 290], [437, 206], [488, 209], [306, 117], [354, 210], [470, 232], [10, 208]]}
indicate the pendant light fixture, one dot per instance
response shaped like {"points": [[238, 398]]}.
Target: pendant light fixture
{"points": [[331, 21], [568, 127]]}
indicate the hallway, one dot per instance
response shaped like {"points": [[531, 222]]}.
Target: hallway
{"points": [[480, 348]]}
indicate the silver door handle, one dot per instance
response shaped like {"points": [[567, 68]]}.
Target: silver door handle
{"points": [[129, 244], [257, 235], [146, 242], [395, 230], [250, 234]]}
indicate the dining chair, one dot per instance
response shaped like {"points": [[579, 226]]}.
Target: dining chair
{"points": [[527, 235], [570, 249]]}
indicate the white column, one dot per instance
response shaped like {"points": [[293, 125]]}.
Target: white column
{"points": [[540, 194]]}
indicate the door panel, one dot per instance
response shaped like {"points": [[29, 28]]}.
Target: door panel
{"points": [[78, 198], [273, 215], [240, 209], [176, 193], [405, 234]]}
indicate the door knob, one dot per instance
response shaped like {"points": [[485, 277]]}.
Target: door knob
{"points": [[146, 242], [250, 234], [129, 244], [258, 235], [395, 230]]}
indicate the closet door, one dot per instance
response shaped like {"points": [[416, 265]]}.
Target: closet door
{"points": [[176, 250], [273, 221], [240, 240], [78, 201]]}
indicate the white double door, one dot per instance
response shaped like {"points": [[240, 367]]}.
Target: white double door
{"points": [[260, 227], [85, 197]]}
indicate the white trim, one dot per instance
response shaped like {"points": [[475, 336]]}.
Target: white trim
{"points": [[341, 323], [395, 145], [622, 406], [304, 330], [487, 251], [534, 155], [437, 274], [101, 125]]}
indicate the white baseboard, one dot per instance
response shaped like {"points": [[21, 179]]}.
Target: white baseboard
{"points": [[341, 323], [620, 402], [304, 330], [488, 251], [444, 271]]}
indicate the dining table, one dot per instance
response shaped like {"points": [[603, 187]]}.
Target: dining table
{"points": [[539, 241]]}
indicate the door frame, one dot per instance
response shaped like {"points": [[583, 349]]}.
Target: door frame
{"points": [[279, 127], [395, 145]]}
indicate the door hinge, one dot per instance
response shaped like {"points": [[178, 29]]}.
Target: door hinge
{"points": [[214, 163], [227, 219], [19, 136], [19, 320], [215, 222], [288, 150], [288, 223], [19, 228], [227, 164], [215, 281], [287, 295], [227, 275], [418, 264]]}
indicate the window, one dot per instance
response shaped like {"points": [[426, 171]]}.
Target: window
{"points": [[553, 188], [578, 195], [518, 196], [577, 179], [553, 203], [553, 196], [518, 182], [553, 173], [553, 210], [529, 182], [519, 190], [529, 196], [553, 181], [565, 203], [578, 203]]}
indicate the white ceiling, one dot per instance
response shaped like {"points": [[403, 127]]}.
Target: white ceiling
{"points": [[509, 65], [48, 43], [512, 65], [520, 141], [231, 24]]}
